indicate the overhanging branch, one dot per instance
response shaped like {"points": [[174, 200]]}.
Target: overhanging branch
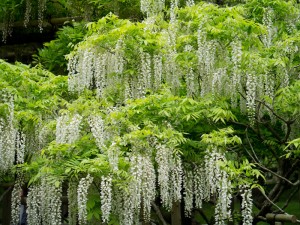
{"points": [[5, 192], [290, 198], [158, 213]]}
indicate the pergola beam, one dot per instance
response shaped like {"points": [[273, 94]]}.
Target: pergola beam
{"points": [[46, 23], [272, 217]]}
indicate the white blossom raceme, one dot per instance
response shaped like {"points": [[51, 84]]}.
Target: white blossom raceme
{"points": [[98, 130], [170, 175], [247, 204], [106, 198], [33, 205], [8, 134], [201, 189], [41, 10], [82, 192], [251, 95], [68, 129], [15, 203], [188, 192], [151, 8], [44, 203], [222, 210]]}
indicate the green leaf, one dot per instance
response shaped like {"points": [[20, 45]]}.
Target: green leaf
{"points": [[57, 183]]}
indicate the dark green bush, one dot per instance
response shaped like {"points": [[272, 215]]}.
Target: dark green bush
{"points": [[52, 56]]}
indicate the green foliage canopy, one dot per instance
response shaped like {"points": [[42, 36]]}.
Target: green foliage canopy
{"points": [[216, 88]]}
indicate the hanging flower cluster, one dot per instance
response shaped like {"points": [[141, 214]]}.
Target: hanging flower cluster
{"points": [[88, 69], [206, 54], [44, 132], [269, 87], [20, 147], [52, 204], [91, 69], [130, 215], [222, 210], [170, 173], [12, 142], [113, 155], [33, 205], [158, 70], [82, 192], [218, 184], [173, 7], [16, 202], [163, 170], [146, 74], [285, 78], [68, 129], [188, 186], [7, 144], [148, 187], [149, 78], [44, 203], [106, 198], [136, 201], [171, 69], [236, 57], [271, 30], [80, 71], [190, 78], [213, 170], [218, 79], [236, 54], [41, 10], [190, 3], [98, 130], [152, 7], [142, 188], [251, 95], [247, 205], [7, 26], [201, 191], [123, 206], [101, 134], [27, 12]]}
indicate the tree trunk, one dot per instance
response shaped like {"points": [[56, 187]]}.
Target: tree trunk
{"points": [[220, 2], [232, 222], [6, 208], [176, 213]]}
